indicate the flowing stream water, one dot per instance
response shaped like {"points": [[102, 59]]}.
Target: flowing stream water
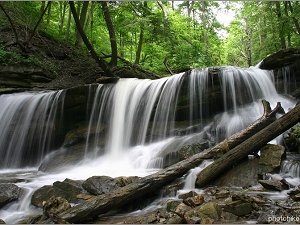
{"points": [[141, 118]]}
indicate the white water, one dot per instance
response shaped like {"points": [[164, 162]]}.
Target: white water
{"points": [[32, 117], [140, 116]]}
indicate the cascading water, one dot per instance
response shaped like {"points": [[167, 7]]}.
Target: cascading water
{"points": [[134, 125], [27, 123]]}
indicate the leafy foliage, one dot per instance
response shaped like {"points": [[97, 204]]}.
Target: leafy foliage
{"points": [[185, 34]]}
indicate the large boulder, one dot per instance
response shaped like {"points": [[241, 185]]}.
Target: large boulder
{"points": [[243, 174], [282, 58], [9, 193], [62, 158], [270, 158], [286, 66], [68, 189], [207, 213], [98, 185]]}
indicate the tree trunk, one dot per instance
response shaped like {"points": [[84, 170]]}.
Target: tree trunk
{"points": [[113, 42], [37, 25], [252, 144], [81, 20], [13, 28], [62, 13], [42, 8], [48, 14], [296, 23], [94, 55], [167, 67], [68, 27], [249, 52], [121, 196], [167, 28], [204, 23], [140, 45], [141, 36], [280, 25]]}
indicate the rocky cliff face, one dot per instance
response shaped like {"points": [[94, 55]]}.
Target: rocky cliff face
{"points": [[286, 67]]}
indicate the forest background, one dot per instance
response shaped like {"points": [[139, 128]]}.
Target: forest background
{"points": [[164, 36]]}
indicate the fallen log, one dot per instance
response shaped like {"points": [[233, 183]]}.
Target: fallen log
{"points": [[97, 205], [252, 144]]}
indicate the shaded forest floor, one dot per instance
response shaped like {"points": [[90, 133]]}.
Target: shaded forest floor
{"points": [[72, 66]]}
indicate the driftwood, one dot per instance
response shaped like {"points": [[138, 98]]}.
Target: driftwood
{"points": [[254, 143], [97, 205]]}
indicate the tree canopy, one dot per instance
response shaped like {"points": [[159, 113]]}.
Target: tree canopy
{"points": [[165, 36]]}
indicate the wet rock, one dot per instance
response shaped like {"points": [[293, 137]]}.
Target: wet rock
{"points": [[181, 209], [175, 219], [295, 194], [190, 150], [84, 196], [11, 180], [98, 185], [291, 140], [210, 209], [270, 158], [55, 205], [207, 213], [172, 188], [222, 193], [9, 193], [243, 174], [275, 185], [295, 191], [239, 208], [194, 201], [187, 194], [123, 181], [71, 188], [2, 222], [172, 205], [281, 58], [263, 218], [296, 197], [62, 159], [228, 217], [68, 189], [193, 220], [80, 133]]}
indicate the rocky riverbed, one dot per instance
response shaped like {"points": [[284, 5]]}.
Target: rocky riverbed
{"points": [[256, 190]]}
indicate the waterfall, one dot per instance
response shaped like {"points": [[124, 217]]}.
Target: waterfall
{"points": [[27, 121], [136, 112], [133, 127]]}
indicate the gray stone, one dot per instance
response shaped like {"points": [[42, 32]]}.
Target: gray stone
{"points": [[98, 185], [239, 208], [210, 209], [243, 174], [275, 185], [8, 193], [270, 158], [55, 205], [62, 158], [68, 189]]}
